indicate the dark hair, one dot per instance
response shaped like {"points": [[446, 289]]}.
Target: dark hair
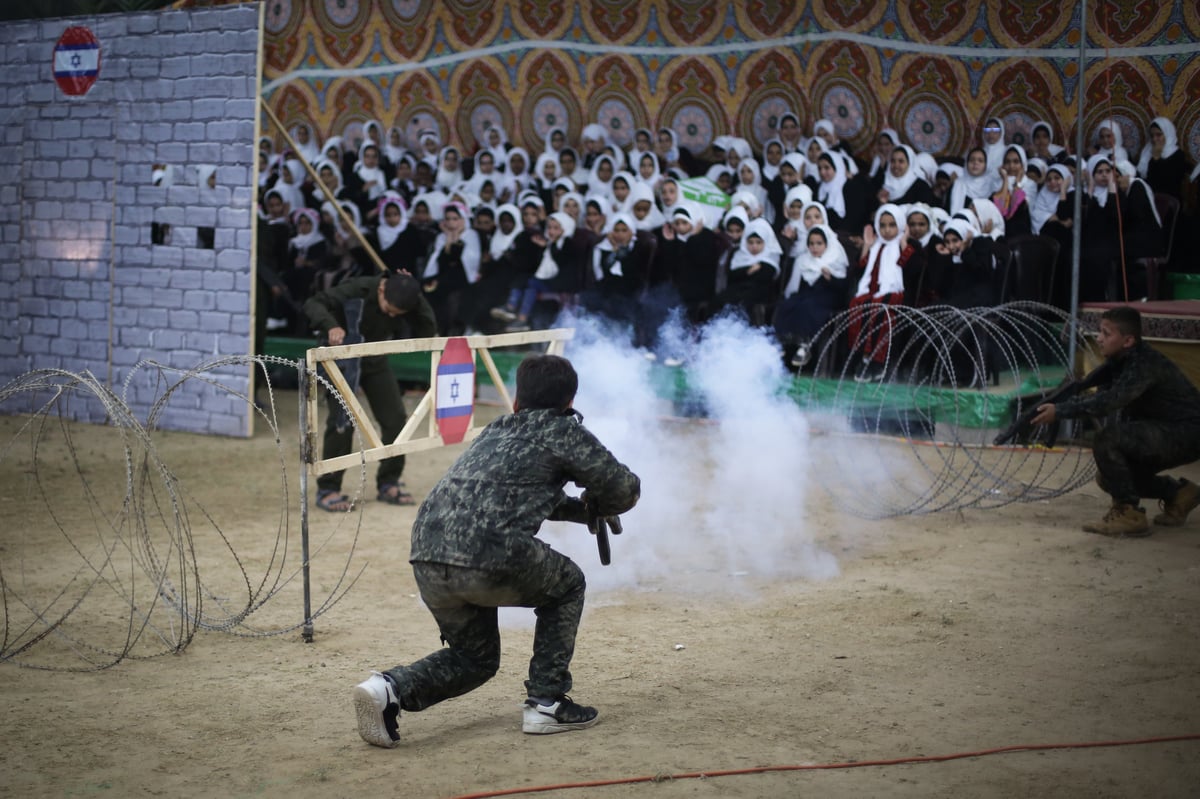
{"points": [[1125, 319], [816, 231], [483, 210], [546, 382], [401, 290]]}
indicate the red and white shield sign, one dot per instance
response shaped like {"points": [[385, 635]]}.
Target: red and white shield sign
{"points": [[76, 61], [454, 397]]}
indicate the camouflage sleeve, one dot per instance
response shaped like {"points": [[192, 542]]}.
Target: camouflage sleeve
{"points": [[1130, 384], [422, 320], [569, 509], [611, 487], [325, 309]]}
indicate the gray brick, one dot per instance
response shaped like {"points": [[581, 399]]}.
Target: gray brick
{"points": [[137, 297], [94, 128], [215, 108], [218, 281], [64, 346], [144, 68], [45, 170], [33, 306], [224, 42], [45, 326], [86, 111], [175, 110], [74, 328], [66, 129], [159, 132], [215, 321], [168, 339], [103, 168], [232, 217], [143, 112], [35, 345], [200, 216], [245, 239], [172, 215], [204, 153], [63, 308], [77, 211], [152, 196], [239, 63], [59, 190], [34, 189], [77, 290], [200, 342], [190, 132], [130, 132], [156, 278], [223, 131], [155, 317], [243, 196], [112, 27], [169, 257], [134, 337], [233, 260], [42, 92], [74, 169], [185, 320], [197, 259], [143, 23], [176, 67], [200, 301], [54, 112], [174, 21], [133, 257], [172, 152], [48, 209]]}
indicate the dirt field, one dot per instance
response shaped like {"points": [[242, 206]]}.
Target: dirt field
{"points": [[939, 634]]}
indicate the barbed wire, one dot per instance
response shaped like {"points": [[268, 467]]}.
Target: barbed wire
{"points": [[153, 565], [948, 381]]}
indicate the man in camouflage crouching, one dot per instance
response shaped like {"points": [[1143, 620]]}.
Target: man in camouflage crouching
{"points": [[1152, 423], [474, 550]]}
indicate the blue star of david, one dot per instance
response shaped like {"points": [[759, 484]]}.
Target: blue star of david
{"points": [[76, 60], [454, 389]]}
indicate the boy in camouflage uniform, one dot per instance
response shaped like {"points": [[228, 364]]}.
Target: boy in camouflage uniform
{"points": [[1152, 424], [474, 549]]}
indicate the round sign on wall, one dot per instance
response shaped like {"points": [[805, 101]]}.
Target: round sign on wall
{"points": [[76, 61], [454, 397]]}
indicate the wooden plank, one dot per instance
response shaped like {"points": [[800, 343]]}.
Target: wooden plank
{"points": [[365, 426], [414, 421], [374, 455], [489, 364], [438, 344]]}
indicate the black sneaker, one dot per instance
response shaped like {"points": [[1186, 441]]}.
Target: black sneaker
{"points": [[378, 711], [562, 715]]}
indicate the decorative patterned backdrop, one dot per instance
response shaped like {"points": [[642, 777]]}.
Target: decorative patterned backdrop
{"points": [[932, 69]]}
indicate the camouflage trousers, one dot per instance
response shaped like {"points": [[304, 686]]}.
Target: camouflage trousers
{"points": [[464, 603], [1130, 455]]}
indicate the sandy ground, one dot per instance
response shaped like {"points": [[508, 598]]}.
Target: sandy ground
{"points": [[948, 633]]}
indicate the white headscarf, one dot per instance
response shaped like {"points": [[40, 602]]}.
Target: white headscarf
{"points": [[809, 269], [394, 152], [672, 155], [831, 193], [1055, 149], [748, 199], [802, 194], [540, 166], [1170, 144], [994, 152], [501, 241], [320, 164], [797, 162], [926, 166], [290, 192], [595, 184], [500, 151], [1117, 153], [641, 192], [1100, 193], [891, 274], [877, 162], [810, 165], [967, 187], [424, 138], [686, 209], [445, 179], [351, 211], [771, 171], [755, 186], [987, 211], [897, 187], [1045, 202], [310, 151], [965, 232], [604, 245], [927, 212], [595, 132], [389, 233], [519, 180], [500, 181], [548, 268], [547, 147], [203, 173], [742, 148], [771, 253], [302, 241], [471, 254], [655, 177], [367, 174]]}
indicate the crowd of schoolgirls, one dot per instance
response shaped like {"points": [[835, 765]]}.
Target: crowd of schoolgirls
{"points": [[505, 239]]}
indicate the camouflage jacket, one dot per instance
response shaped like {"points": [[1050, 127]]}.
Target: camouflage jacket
{"points": [[1144, 385], [486, 510]]}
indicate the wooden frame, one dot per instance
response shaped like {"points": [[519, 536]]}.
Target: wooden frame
{"points": [[375, 449]]}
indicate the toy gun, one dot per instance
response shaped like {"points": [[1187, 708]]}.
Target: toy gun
{"points": [[1021, 430], [599, 526]]}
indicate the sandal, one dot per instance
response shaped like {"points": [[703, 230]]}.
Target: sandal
{"points": [[334, 501], [394, 494]]}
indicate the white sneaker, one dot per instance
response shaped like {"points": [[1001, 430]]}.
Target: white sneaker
{"points": [[560, 716], [503, 314], [378, 711]]}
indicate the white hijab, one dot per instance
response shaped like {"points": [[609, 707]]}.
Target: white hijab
{"points": [[772, 252], [471, 254], [1100, 193], [876, 162], [1054, 149], [995, 152], [1170, 144], [641, 192], [522, 179], [832, 193], [389, 233], [987, 211], [310, 151], [501, 241], [302, 241], [445, 179], [968, 187], [1045, 202], [394, 152], [891, 274], [771, 171], [927, 212], [367, 174], [1130, 171], [605, 245], [897, 187], [1117, 153], [809, 268]]}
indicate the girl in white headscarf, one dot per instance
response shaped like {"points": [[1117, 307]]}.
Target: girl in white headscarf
{"points": [[487, 169], [393, 149], [643, 143], [993, 143], [1141, 228], [812, 151], [749, 179], [903, 183], [306, 142], [291, 178], [1044, 208], [666, 145], [832, 191], [594, 140], [389, 239], [508, 227], [1041, 136], [887, 141], [739, 151], [556, 139], [1163, 165], [772, 159], [1107, 141], [991, 220], [496, 142], [1100, 240], [753, 270], [977, 181], [600, 180], [640, 203], [453, 267], [449, 169], [888, 255], [431, 148], [517, 169], [790, 133], [813, 293], [647, 170], [370, 173]]}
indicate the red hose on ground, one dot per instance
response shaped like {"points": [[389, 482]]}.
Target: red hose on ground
{"points": [[827, 766]]}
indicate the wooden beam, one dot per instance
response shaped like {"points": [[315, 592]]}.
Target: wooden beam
{"points": [[365, 426]]}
